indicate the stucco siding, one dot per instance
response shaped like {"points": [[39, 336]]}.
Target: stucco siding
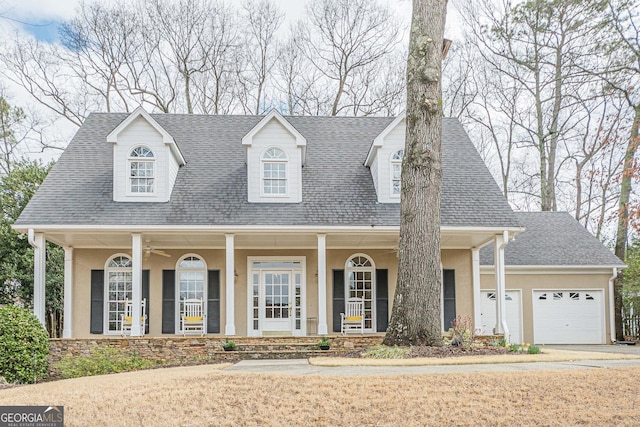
{"points": [[530, 282]]}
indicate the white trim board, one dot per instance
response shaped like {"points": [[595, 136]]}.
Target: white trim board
{"points": [[552, 269]]}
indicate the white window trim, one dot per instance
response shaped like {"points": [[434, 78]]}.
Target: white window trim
{"points": [[153, 160], [286, 171], [105, 289], [303, 291], [205, 296], [347, 270], [393, 162]]}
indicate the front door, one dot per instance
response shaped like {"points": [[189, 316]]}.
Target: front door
{"points": [[276, 304]]}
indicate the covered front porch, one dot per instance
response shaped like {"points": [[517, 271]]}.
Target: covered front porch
{"points": [[256, 281]]}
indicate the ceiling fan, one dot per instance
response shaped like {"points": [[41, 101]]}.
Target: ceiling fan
{"points": [[148, 250]]}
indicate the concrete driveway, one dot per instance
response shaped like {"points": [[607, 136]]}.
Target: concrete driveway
{"points": [[613, 348]]}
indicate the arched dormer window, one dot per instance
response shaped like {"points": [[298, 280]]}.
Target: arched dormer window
{"points": [[274, 172], [396, 172], [191, 278], [360, 283], [118, 289], [141, 171]]}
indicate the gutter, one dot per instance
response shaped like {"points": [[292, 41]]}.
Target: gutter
{"points": [[612, 317]]}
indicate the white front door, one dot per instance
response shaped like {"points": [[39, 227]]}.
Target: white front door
{"points": [[513, 309], [276, 297], [276, 302]]}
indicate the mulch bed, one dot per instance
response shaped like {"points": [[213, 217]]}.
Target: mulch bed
{"points": [[444, 351]]}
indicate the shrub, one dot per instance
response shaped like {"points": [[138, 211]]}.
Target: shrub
{"points": [[385, 352], [514, 348], [463, 332], [534, 349], [102, 361], [24, 346]]}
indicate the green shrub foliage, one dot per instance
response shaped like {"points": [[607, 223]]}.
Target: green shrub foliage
{"points": [[102, 361], [24, 346]]}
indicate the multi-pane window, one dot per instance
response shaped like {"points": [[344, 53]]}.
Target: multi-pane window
{"points": [[274, 172], [119, 289], [191, 273], [396, 172], [141, 170], [359, 278]]}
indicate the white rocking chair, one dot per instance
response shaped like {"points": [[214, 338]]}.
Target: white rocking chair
{"points": [[126, 318], [192, 317], [353, 317]]}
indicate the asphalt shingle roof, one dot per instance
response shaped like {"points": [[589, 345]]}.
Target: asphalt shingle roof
{"points": [[211, 189], [552, 238]]}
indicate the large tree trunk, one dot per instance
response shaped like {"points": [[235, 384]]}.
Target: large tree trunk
{"points": [[623, 215], [415, 318]]}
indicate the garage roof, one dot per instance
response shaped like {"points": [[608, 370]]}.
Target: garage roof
{"points": [[553, 239]]}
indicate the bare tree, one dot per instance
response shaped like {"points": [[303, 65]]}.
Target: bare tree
{"points": [[415, 318], [262, 20], [97, 40], [623, 24], [541, 46], [344, 40]]}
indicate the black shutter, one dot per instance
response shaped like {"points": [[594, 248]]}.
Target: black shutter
{"points": [[213, 302], [382, 300], [145, 295], [449, 297], [338, 298], [97, 301], [168, 301]]}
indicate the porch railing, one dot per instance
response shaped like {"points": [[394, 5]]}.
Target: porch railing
{"points": [[631, 325]]}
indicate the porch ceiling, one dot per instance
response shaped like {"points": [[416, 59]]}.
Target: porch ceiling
{"points": [[285, 239]]}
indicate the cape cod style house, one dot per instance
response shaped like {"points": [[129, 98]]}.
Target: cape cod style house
{"points": [[275, 221]]}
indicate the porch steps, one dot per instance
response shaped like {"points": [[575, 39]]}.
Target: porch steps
{"points": [[299, 347]]}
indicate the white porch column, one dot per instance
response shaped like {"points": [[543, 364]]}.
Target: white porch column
{"points": [[67, 319], [38, 242], [475, 279], [322, 284], [136, 283], [501, 322], [230, 328]]}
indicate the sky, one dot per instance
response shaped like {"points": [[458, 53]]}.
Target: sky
{"points": [[42, 17]]}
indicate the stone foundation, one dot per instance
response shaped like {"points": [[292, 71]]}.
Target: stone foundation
{"points": [[170, 351]]}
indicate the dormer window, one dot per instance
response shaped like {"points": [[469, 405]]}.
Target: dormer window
{"points": [[274, 172], [141, 171], [396, 172]]}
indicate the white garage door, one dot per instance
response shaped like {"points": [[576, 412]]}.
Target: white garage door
{"points": [[514, 313], [568, 317]]}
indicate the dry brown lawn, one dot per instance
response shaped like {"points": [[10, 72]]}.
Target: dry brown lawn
{"points": [[205, 395], [547, 355]]}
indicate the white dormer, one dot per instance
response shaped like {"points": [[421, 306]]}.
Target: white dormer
{"points": [[146, 160], [275, 153], [385, 160]]}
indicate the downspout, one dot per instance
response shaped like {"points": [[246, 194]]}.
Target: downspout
{"points": [[505, 242], [31, 238], [612, 321]]}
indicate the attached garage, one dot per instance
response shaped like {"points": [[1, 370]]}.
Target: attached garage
{"points": [[513, 307], [565, 277], [568, 316]]}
